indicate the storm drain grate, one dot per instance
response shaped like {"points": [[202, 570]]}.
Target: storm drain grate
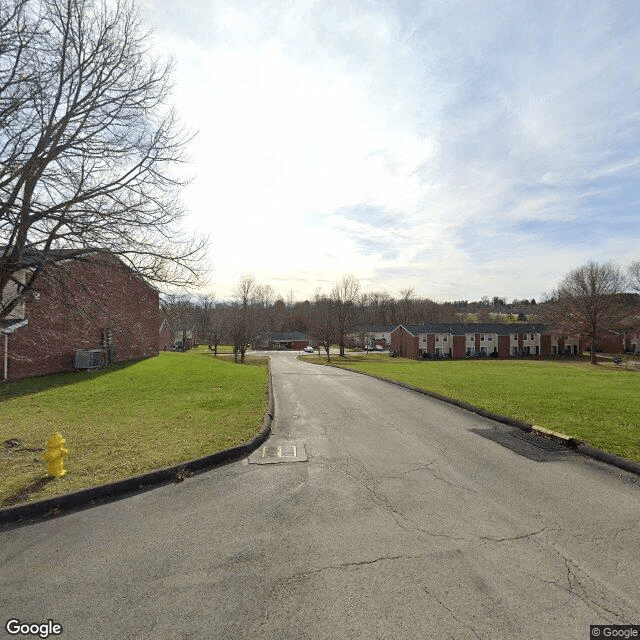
{"points": [[528, 445], [279, 451], [546, 444]]}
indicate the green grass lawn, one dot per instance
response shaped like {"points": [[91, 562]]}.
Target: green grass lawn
{"points": [[597, 404], [222, 348], [126, 419]]}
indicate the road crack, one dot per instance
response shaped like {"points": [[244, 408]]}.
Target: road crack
{"points": [[461, 622], [574, 583], [345, 565]]}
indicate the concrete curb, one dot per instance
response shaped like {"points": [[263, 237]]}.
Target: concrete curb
{"points": [[582, 447], [113, 490]]}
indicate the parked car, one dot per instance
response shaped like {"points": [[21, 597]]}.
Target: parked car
{"points": [[308, 349]]}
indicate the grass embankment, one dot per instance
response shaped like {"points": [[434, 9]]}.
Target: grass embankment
{"points": [[597, 404], [126, 419]]}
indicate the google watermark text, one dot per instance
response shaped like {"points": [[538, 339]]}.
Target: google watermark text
{"points": [[15, 627]]}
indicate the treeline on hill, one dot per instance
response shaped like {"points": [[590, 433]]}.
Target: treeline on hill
{"points": [[590, 300]]}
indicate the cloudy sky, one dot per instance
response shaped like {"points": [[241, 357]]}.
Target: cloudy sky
{"points": [[460, 148]]}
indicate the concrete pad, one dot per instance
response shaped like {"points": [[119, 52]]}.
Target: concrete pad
{"points": [[278, 452]]}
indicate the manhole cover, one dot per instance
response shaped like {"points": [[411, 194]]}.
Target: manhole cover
{"points": [[279, 451], [526, 444]]}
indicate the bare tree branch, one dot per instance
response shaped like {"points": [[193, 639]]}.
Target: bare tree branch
{"points": [[89, 150], [587, 302]]}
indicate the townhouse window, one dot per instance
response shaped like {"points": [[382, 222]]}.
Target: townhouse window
{"points": [[532, 336], [445, 337]]}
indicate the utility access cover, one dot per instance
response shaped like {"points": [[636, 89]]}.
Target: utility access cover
{"points": [[274, 452]]}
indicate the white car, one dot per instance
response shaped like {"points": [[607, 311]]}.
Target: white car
{"points": [[308, 349]]}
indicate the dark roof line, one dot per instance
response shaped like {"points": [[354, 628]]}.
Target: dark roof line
{"points": [[464, 328], [277, 336]]}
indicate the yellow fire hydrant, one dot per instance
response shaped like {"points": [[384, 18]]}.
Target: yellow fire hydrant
{"points": [[56, 454]]}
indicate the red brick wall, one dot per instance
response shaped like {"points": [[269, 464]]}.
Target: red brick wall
{"points": [[403, 343], [545, 345], [504, 342], [412, 348], [459, 350], [396, 339], [609, 343], [76, 301]]}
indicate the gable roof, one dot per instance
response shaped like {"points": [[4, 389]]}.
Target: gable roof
{"points": [[33, 257], [461, 329], [373, 328], [286, 336]]}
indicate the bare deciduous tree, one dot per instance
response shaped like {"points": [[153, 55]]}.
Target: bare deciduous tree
{"points": [[243, 315], [324, 323], [182, 314], [344, 296], [587, 302], [89, 150], [633, 276]]}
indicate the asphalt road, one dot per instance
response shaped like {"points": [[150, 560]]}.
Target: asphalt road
{"points": [[402, 523]]}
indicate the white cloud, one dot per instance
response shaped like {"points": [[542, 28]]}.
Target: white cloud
{"points": [[411, 146]]}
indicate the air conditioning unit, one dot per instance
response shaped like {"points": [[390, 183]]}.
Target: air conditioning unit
{"points": [[88, 359]]}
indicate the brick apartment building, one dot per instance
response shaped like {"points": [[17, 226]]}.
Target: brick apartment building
{"points": [[499, 341], [284, 340], [93, 303], [471, 340]]}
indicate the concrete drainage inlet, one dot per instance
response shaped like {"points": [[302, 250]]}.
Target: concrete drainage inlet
{"points": [[279, 451], [530, 446]]}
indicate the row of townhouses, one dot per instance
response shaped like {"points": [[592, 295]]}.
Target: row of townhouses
{"points": [[477, 340]]}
